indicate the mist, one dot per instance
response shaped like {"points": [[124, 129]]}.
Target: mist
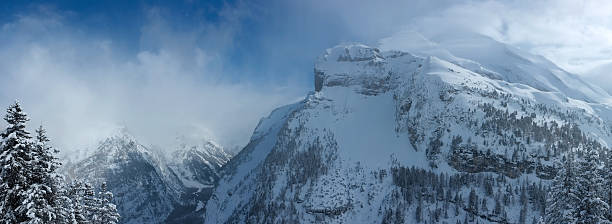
{"points": [[82, 88], [167, 72]]}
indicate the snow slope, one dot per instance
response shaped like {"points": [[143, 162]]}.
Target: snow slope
{"points": [[151, 187], [484, 55], [468, 109]]}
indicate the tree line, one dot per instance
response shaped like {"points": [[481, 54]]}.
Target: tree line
{"points": [[581, 192]]}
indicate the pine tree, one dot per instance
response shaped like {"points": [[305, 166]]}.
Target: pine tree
{"points": [[484, 206], [523, 214], [109, 214], [589, 185], [524, 205], [15, 156], [42, 191], [607, 175], [458, 202], [64, 206], [76, 193], [472, 204], [419, 209], [563, 198], [91, 204], [498, 207], [37, 209], [31, 190]]}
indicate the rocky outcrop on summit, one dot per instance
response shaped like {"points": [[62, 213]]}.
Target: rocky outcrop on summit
{"points": [[365, 69]]}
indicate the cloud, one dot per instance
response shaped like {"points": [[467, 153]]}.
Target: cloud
{"points": [[82, 86], [217, 76], [576, 35]]}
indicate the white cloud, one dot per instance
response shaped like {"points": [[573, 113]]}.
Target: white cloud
{"points": [[576, 35], [79, 83], [81, 86]]}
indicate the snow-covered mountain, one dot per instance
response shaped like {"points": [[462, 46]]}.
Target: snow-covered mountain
{"points": [[149, 186], [197, 166], [459, 129]]}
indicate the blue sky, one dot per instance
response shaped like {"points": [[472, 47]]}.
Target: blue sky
{"points": [[263, 40], [260, 33], [117, 19], [214, 68]]}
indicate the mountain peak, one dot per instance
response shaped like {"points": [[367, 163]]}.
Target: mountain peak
{"points": [[359, 66], [176, 183], [351, 53], [119, 133], [469, 107]]}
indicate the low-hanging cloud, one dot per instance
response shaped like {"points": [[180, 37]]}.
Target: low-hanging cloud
{"points": [[82, 87], [576, 35], [178, 79]]}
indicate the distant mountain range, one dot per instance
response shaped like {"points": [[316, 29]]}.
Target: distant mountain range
{"points": [[150, 186]]}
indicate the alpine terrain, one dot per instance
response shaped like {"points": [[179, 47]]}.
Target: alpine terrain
{"points": [[149, 186], [427, 130]]}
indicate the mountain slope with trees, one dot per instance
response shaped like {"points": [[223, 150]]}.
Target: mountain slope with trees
{"points": [[394, 137]]}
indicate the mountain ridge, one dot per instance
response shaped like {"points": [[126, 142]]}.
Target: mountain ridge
{"points": [[151, 187], [340, 155]]}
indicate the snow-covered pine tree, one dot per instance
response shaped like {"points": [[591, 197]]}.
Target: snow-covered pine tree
{"points": [[76, 193], [419, 209], [498, 207], [15, 157], [589, 185], [563, 199], [523, 214], [91, 204], [108, 210], [607, 175], [31, 191], [41, 194], [47, 154], [484, 206], [62, 204], [37, 209], [472, 205]]}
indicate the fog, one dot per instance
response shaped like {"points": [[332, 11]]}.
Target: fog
{"points": [[82, 89], [216, 76]]}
